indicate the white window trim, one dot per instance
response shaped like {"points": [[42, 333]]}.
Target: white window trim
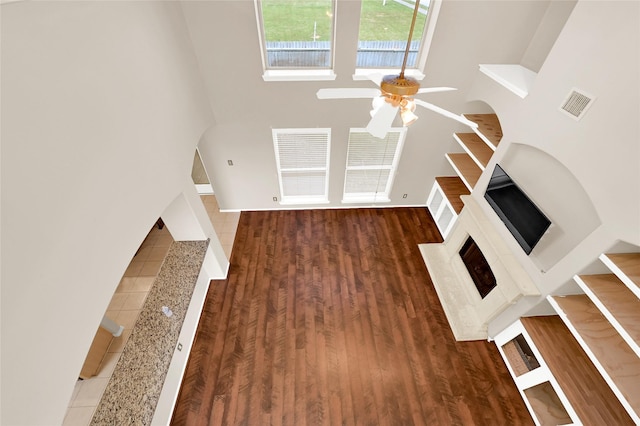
{"points": [[303, 199], [393, 168], [296, 74], [425, 46]]}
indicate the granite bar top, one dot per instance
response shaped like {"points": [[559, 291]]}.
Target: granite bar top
{"points": [[132, 393]]}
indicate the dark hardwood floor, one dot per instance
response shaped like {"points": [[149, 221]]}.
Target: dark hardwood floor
{"points": [[329, 317]]}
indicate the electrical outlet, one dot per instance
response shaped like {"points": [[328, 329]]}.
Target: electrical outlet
{"points": [[230, 162], [404, 195], [275, 198]]}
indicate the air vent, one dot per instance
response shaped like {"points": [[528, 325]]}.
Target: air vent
{"points": [[576, 104]]}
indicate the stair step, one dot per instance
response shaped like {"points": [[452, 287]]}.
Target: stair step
{"points": [[465, 167], [476, 147], [488, 128], [626, 266], [614, 359], [617, 303]]}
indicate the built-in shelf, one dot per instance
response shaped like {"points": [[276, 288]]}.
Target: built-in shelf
{"points": [[465, 167], [476, 147], [546, 405], [514, 77]]}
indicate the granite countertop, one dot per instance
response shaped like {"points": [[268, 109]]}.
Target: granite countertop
{"points": [[132, 393]]}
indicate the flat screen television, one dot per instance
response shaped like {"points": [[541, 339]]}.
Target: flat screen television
{"points": [[521, 216]]}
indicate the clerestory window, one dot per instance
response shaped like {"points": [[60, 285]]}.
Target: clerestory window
{"points": [[383, 34], [297, 38]]}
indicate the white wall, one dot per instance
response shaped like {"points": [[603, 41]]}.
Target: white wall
{"points": [[102, 108], [246, 108], [598, 52]]}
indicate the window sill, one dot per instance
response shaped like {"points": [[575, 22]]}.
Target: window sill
{"points": [[363, 73], [360, 200], [298, 75]]}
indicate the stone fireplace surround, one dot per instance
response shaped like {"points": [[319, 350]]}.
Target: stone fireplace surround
{"points": [[468, 314]]}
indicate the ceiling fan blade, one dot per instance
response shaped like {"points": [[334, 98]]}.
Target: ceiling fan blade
{"points": [[348, 93], [446, 113], [436, 89], [382, 120]]}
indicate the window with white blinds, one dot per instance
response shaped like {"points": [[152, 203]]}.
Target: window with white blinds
{"points": [[302, 158], [371, 165]]}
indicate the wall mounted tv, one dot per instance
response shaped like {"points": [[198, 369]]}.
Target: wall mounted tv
{"points": [[523, 219]]}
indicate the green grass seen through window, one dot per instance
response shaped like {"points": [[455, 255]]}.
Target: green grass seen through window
{"points": [[294, 20]]}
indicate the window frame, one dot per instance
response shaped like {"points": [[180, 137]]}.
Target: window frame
{"points": [[295, 74], [302, 199], [374, 197], [425, 46]]}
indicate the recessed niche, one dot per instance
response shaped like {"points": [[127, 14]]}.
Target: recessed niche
{"points": [[546, 405], [520, 356]]}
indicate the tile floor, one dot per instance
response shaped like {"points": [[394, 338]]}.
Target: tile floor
{"points": [[128, 300]]}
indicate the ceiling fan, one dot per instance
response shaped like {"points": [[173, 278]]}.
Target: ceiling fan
{"points": [[394, 92]]}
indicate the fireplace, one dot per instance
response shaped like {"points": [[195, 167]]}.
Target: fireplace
{"points": [[476, 274], [478, 267]]}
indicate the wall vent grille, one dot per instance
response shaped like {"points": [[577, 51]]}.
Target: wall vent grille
{"points": [[576, 104]]}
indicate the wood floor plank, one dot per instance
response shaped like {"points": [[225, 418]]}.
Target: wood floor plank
{"points": [[329, 317]]}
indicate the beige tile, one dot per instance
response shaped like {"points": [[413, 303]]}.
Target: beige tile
{"points": [[235, 216], [117, 301], [108, 364], [226, 238], [78, 416], [126, 284], [127, 319], [117, 344], [76, 389], [157, 253], [149, 241], [143, 284], [150, 268], [134, 268], [230, 227], [143, 253], [218, 226], [164, 241], [134, 301], [90, 392]]}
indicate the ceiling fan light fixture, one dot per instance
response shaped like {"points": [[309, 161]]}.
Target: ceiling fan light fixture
{"points": [[408, 117]]}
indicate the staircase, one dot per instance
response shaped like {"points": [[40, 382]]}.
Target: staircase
{"points": [[582, 366], [605, 321]]}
